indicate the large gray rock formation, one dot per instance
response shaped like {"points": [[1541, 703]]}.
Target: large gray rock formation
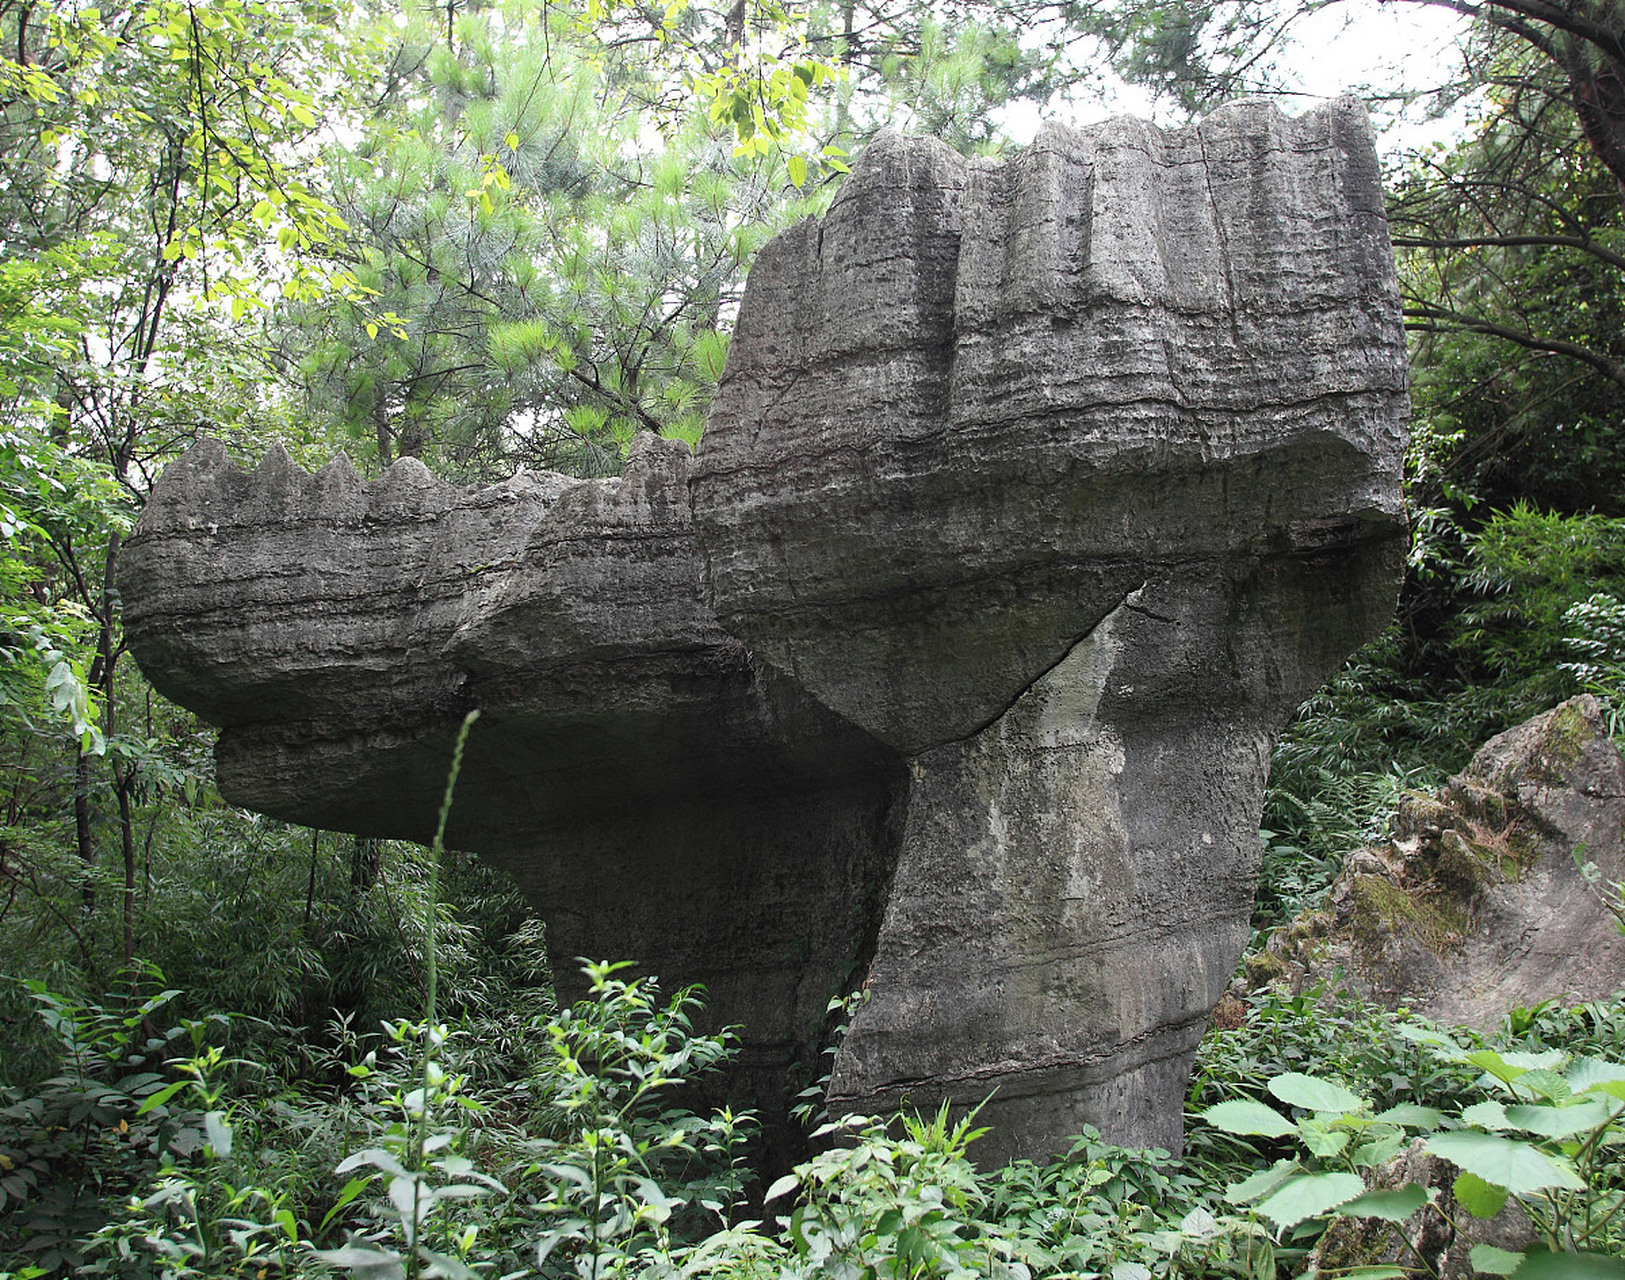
{"points": [[1034, 498]]}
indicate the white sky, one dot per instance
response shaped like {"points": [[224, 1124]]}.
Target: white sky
{"points": [[1351, 46]]}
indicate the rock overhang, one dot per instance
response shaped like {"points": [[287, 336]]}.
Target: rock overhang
{"points": [[1034, 498]]}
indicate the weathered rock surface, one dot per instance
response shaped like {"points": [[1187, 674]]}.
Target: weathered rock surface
{"points": [[655, 790], [1033, 500], [1067, 478], [1478, 904]]}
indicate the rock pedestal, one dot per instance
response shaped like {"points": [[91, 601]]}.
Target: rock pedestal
{"points": [[1034, 498]]}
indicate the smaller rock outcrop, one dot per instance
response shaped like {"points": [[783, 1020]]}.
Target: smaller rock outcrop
{"points": [[1427, 1235], [1490, 896]]}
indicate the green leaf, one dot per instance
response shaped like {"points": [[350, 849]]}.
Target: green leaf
{"points": [[1560, 1122], [162, 1096], [1321, 1139], [1585, 1074], [1380, 1150], [219, 1133], [783, 1186], [1493, 1261], [1545, 1083], [1249, 1118], [1503, 1162], [1390, 1206], [1488, 1115], [798, 170], [1412, 1116], [1310, 1195], [1418, 1034], [1313, 1094], [1262, 1182], [1540, 1265], [1479, 1198], [443, 1264]]}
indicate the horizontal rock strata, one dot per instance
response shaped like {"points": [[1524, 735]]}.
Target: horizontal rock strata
{"points": [[1067, 478], [1034, 498]]}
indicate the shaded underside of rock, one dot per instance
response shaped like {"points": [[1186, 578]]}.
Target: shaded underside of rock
{"points": [[1034, 498], [656, 791]]}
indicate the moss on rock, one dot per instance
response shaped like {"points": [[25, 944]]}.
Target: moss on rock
{"points": [[1381, 908]]}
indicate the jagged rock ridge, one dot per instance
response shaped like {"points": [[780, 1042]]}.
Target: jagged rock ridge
{"points": [[1033, 499]]}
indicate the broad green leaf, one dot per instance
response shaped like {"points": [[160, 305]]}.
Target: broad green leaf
{"points": [[1249, 1118], [1313, 1094], [1418, 1034], [1539, 1265], [1479, 1198], [798, 170], [1588, 1073], [1560, 1122], [1380, 1150], [1199, 1223], [1262, 1182], [1310, 1195], [1321, 1139], [219, 1133], [1390, 1206], [1412, 1116], [783, 1186], [1503, 1162], [1545, 1060], [1488, 1115], [1493, 1261], [1546, 1084]]}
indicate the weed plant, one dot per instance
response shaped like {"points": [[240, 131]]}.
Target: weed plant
{"points": [[590, 1167]]}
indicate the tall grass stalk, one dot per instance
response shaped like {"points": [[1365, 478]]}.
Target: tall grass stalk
{"points": [[431, 1031]]}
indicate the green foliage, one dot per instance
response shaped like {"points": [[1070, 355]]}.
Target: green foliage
{"points": [[621, 1169], [1595, 630], [1531, 618], [49, 500], [1547, 1138], [200, 1217], [1528, 570], [416, 1158], [78, 1140], [1104, 1209]]}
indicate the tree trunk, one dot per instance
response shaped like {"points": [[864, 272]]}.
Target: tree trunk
{"points": [[81, 826]]}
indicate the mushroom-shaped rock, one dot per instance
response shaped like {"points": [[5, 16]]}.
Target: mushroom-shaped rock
{"points": [[1034, 498], [1068, 478]]}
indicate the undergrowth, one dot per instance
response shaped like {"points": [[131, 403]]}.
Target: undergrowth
{"points": [[155, 1151]]}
